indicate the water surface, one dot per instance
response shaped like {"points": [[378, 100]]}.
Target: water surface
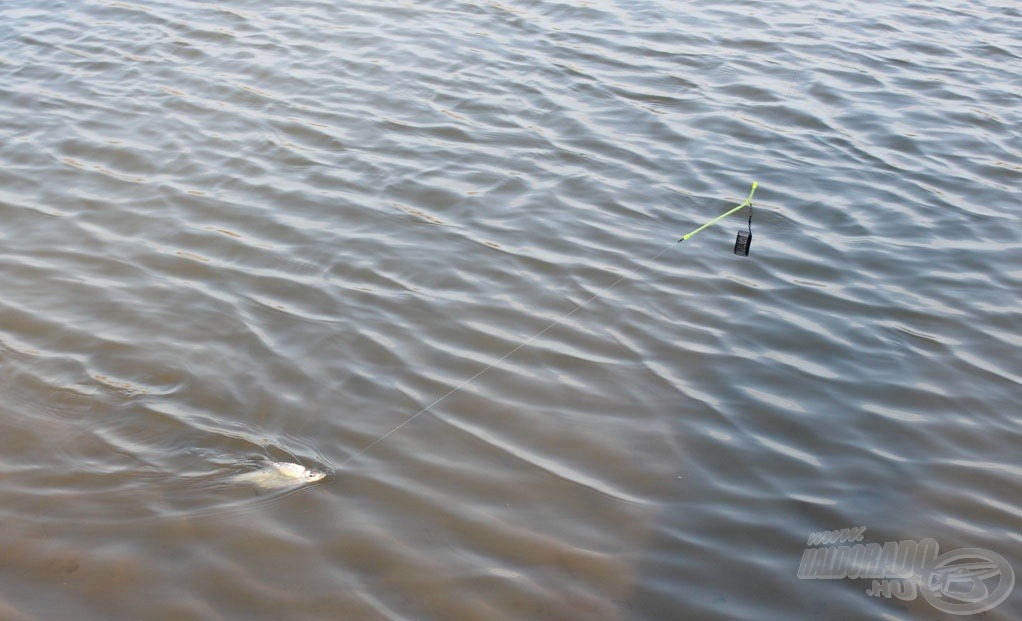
{"points": [[241, 231]]}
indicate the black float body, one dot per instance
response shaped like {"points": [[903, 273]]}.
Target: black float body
{"points": [[742, 243]]}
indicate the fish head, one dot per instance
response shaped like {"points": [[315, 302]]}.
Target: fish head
{"points": [[311, 476], [298, 473]]}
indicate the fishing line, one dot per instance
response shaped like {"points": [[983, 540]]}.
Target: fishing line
{"points": [[743, 251]]}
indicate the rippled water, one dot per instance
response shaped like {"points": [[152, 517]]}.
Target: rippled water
{"points": [[248, 231]]}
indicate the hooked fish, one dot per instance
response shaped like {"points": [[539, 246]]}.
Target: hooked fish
{"points": [[279, 474]]}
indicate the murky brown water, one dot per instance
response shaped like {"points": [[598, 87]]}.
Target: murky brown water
{"points": [[248, 231]]}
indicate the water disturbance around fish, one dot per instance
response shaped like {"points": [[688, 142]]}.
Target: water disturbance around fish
{"points": [[243, 244]]}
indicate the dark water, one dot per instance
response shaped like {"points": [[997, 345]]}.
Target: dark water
{"points": [[240, 231]]}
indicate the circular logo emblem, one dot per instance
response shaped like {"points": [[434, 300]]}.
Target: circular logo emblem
{"points": [[958, 582]]}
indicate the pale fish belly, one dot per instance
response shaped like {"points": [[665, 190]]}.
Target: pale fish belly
{"points": [[279, 474]]}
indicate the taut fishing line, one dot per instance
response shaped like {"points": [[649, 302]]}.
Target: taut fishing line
{"points": [[742, 244]]}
